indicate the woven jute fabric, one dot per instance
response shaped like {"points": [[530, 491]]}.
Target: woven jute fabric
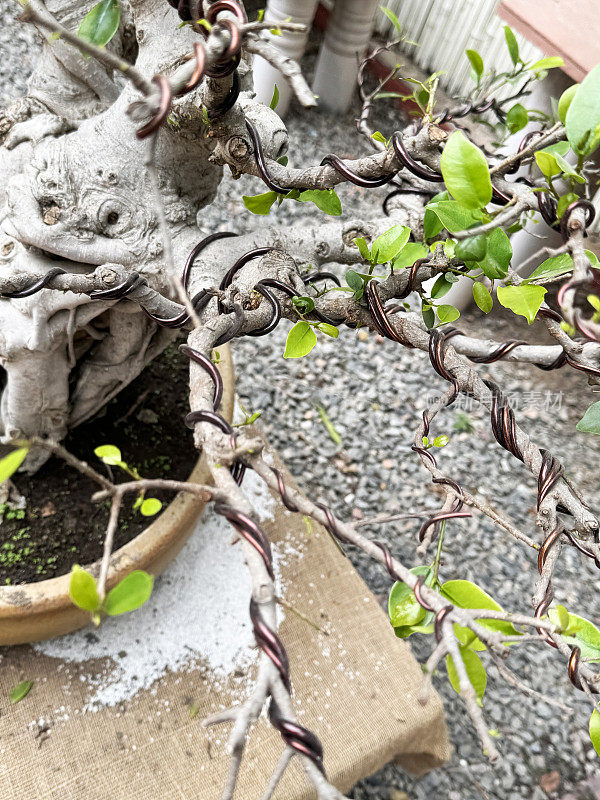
{"points": [[356, 688]]}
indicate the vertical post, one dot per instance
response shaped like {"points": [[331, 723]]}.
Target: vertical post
{"points": [[289, 44], [346, 40]]}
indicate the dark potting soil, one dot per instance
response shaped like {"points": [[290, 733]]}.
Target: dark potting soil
{"points": [[60, 525]]}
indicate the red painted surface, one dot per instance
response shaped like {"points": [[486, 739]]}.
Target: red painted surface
{"points": [[567, 28]]}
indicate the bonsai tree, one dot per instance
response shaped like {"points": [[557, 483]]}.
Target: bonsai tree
{"points": [[126, 131]]}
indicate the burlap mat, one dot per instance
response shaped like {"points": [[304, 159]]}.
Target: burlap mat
{"points": [[356, 688]]}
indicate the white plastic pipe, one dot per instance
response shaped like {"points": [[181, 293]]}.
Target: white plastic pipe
{"points": [[289, 44], [346, 40]]}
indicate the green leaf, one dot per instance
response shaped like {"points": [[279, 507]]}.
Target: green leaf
{"points": [[441, 441], [428, 315], [83, 590], [129, 594], [101, 23], [590, 423], [150, 507], [275, 99], [565, 101], [327, 329], [476, 62], [389, 244], [304, 304], [431, 222], [497, 256], [440, 287], [334, 435], [466, 172], [403, 608], [356, 283], [517, 118], [581, 632], [553, 267], [595, 730], [582, 120], [564, 202], [525, 299], [393, 18], [410, 253], [325, 199], [547, 63], [20, 691], [475, 672], [11, 463], [472, 249], [379, 137], [300, 340], [482, 297], [453, 215], [563, 617], [363, 248], [548, 159], [109, 454], [466, 594], [512, 44], [447, 314], [260, 203]]}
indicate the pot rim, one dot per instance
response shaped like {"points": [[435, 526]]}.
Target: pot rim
{"points": [[52, 595]]}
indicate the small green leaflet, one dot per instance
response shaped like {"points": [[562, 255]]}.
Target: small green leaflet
{"points": [[379, 137], [517, 118], [83, 590], [512, 45], [476, 62], [393, 18], [595, 730], [326, 200], [472, 249], [466, 172], [466, 594], [101, 23], [524, 300], [410, 253], [11, 463], [150, 506], [582, 119], [300, 340], [327, 329], [275, 99], [497, 256], [260, 203], [363, 248], [580, 632], [548, 159], [406, 615], [565, 101], [590, 423], [453, 215], [547, 63], [559, 265], [356, 283], [131, 593], [334, 435], [482, 297], [387, 246], [109, 454], [474, 669], [20, 691], [447, 314]]}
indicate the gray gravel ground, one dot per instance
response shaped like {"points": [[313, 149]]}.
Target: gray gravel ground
{"points": [[373, 392]]}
